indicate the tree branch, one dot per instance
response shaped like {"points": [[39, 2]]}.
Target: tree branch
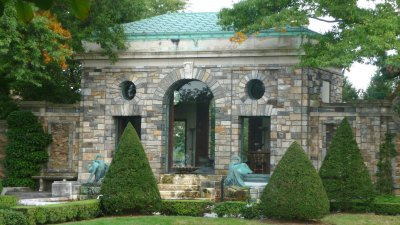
{"points": [[327, 21]]}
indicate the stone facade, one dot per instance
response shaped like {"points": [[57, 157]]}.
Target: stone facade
{"points": [[289, 94]]}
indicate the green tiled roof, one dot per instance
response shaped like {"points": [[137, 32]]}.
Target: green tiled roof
{"points": [[187, 25]]}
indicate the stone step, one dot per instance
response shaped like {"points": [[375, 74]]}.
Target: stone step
{"points": [[208, 193], [187, 179], [30, 195], [210, 184], [178, 187], [180, 194]]}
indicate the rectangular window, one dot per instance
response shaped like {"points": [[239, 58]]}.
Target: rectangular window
{"points": [[325, 91], [122, 121], [255, 139]]}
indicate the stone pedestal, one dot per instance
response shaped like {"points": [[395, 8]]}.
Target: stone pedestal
{"points": [[68, 189]]}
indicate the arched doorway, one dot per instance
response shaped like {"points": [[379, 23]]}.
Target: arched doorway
{"points": [[191, 121]]}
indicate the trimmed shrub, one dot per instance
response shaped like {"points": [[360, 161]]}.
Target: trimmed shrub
{"points": [[295, 190], [387, 205], [387, 151], [8, 201], [11, 217], [185, 207], [354, 207], [26, 149], [387, 208], [238, 210], [343, 172], [59, 213], [129, 185], [251, 211], [230, 209]]}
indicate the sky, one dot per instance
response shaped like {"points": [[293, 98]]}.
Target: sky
{"points": [[359, 74]]}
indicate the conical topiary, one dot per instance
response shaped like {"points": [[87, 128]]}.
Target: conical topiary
{"points": [[295, 190], [129, 185], [384, 175], [343, 172]]}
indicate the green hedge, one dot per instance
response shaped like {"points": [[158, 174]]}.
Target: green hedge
{"points": [[387, 208], [185, 207], [199, 207], [8, 201], [229, 209], [11, 217], [238, 209], [353, 207], [387, 205], [59, 213], [26, 151]]}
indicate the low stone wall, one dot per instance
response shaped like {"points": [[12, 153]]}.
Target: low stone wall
{"points": [[370, 122]]}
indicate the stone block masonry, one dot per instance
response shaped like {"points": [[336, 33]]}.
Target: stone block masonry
{"points": [[284, 101]]}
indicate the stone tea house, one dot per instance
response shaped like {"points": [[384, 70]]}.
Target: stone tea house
{"points": [[260, 102], [196, 99]]}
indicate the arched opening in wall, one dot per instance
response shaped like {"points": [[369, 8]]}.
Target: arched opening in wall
{"points": [[191, 133]]}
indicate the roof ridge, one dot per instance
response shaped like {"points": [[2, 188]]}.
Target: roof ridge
{"points": [[185, 24]]}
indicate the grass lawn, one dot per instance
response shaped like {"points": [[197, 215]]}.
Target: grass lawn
{"points": [[333, 219], [361, 219]]}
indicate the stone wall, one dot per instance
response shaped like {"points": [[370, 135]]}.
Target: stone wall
{"points": [[286, 101], [370, 122]]}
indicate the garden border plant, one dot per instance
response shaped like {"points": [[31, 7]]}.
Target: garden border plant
{"points": [[129, 185], [384, 175], [295, 190], [26, 149], [58, 213], [186, 207], [344, 174]]}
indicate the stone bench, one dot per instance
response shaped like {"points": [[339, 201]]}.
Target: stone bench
{"points": [[51, 177]]}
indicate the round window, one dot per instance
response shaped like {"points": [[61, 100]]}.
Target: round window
{"points": [[255, 89], [128, 89]]}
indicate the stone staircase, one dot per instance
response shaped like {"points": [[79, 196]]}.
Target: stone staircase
{"points": [[189, 186]]}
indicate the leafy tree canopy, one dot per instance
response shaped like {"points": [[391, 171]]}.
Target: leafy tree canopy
{"points": [[37, 56], [27, 51], [379, 88], [349, 92], [104, 23], [358, 33], [25, 9]]}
